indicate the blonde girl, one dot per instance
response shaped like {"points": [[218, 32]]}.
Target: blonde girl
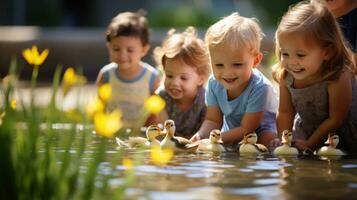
{"points": [[184, 60], [318, 90]]}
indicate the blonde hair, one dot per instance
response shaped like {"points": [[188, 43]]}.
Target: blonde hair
{"points": [[235, 31], [187, 47], [315, 23]]}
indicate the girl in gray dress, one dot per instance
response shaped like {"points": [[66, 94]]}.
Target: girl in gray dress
{"points": [[318, 89]]}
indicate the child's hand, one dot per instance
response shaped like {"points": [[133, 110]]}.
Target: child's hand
{"points": [[274, 143], [195, 137], [300, 144]]}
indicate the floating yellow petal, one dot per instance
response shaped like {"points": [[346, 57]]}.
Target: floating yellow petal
{"points": [[33, 57], [161, 156], [127, 163], [105, 92], [94, 107], [107, 124], [154, 104]]}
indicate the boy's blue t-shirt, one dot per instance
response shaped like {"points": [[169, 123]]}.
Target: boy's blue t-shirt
{"points": [[259, 96]]}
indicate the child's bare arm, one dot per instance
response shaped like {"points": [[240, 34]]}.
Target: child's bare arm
{"points": [[286, 112], [99, 80], [156, 84], [250, 122], [213, 120], [340, 98]]}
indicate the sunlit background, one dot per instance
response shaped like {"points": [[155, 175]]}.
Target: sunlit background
{"points": [[74, 30]]}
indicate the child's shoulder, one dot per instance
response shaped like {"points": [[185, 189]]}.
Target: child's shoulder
{"points": [[259, 80], [213, 83], [109, 67], [150, 68]]}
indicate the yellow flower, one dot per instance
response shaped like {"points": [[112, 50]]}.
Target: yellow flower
{"points": [[13, 104], [69, 76], [33, 57], [107, 124], [154, 104], [69, 79], [94, 107], [161, 156], [127, 163], [105, 92]]}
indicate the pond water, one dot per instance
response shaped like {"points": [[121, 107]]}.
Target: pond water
{"points": [[231, 176]]}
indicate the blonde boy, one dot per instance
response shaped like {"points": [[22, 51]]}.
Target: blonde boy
{"points": [[239, 97]]}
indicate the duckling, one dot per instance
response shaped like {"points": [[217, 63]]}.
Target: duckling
{"points": [[151, 133], [286, 148], [249, 144], [178, 144], [331, 149], [213, 144]]}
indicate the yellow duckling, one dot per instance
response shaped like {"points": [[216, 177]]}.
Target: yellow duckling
{"points": [[286, 148], [331, 149], [213, 144], [151, 133], [249, 144], [178, 144]]}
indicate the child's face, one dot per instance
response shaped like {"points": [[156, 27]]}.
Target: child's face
{"points": [[233, 68], [126, 51], [181, 80], [302, 59]]}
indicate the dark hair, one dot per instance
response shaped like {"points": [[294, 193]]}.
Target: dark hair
{"points": [[129, 24]]}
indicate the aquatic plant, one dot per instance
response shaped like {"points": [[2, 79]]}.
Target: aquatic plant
{"points": [[31, 165]]}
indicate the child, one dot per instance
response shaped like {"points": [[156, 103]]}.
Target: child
{"points": [[184, 60], [131, 79], [239, 97], [315, 72]]}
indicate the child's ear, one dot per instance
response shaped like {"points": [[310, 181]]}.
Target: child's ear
{"points": [[329, 52], [257, 59], [146, 49], [201, 81], [107, 44]]}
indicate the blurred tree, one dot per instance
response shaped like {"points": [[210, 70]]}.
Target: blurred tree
{"points": [[272, 10]]}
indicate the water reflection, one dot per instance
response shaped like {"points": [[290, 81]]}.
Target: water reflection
{"points": [[230, 176]]}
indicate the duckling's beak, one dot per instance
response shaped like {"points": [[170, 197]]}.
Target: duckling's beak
{"points": [[328, 141], [243, 141], [284, 139]]}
